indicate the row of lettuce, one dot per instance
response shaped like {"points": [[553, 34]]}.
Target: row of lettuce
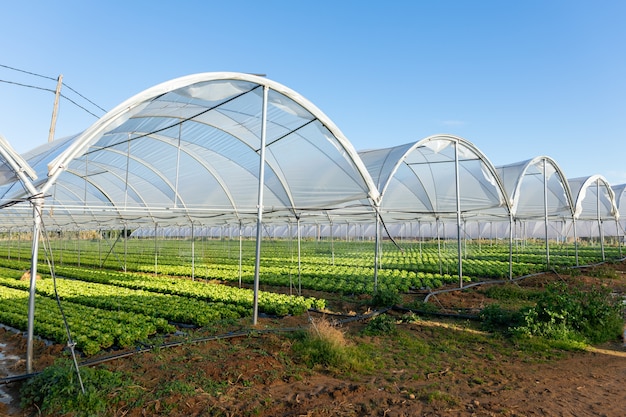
{"points": [[346, 267], [107, 309], [156, 290]]}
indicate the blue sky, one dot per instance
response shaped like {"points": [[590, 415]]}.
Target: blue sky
{"points": [[518, 79]]}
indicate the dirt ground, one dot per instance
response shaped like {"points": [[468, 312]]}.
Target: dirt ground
{"points": [[253, 378]]}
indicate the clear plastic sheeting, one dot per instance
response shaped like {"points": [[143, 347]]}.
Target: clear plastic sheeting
{"points": [[189, 151], [620, 196], [594, 198], [620, 201], [16, 176], [537, 188], [596, 212], [419, 180]]}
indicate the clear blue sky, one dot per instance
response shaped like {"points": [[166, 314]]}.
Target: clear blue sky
{"points": [[518, 79]]}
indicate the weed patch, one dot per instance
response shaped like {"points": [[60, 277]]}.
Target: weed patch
{"points": [[57, 390]]}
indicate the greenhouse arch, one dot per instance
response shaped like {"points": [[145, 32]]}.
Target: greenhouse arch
{"points": [[594, 204], [539, 194], [188, 150], [203, 149], [437, 178]]}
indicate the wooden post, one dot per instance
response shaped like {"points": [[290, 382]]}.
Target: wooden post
{"points": [[55, 109]]}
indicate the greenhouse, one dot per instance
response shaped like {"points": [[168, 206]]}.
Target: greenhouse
{"points": [[220, 154], [193, 174], [438, 177], [189, 150]]}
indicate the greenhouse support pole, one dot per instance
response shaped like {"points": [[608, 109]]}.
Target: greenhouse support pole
{"points": [[332, 243], [259, 222], [511, 225], [100, 247], [156, 250], [290, 234], [600, 228], [125, 247], [458, 214], [376, 251], [193, 254], [78, 246], [575, 240], [438, 246], [619, 240], [37, 208], [545, 210], [419, 237], [240, 249], [299, 255], [465, 234]]}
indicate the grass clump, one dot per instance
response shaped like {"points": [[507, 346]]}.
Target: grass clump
{"points": [[324, 344]]}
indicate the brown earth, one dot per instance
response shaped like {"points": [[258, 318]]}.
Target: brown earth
{"points": [[436, 367]]}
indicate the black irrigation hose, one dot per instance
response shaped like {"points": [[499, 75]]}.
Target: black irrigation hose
{"points": [[240, 333]]}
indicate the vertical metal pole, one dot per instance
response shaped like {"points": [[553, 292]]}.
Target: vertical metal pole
{"points": [[61, 246], [458, 213], [545, 209], [619, 238], [156, 250], [376, 252], [78, 245], [438, 246], [419, 237], [332, 243], [511, 225], [193, 253], [299, 256], [464, 233], [125, 247], [259, 226], [37, 209], [599, 217], [180, 132], [100, 247], [575, 239], [240, 250], [290, 234]]}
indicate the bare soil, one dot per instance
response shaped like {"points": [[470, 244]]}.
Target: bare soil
{"points": [[256, 375]]}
